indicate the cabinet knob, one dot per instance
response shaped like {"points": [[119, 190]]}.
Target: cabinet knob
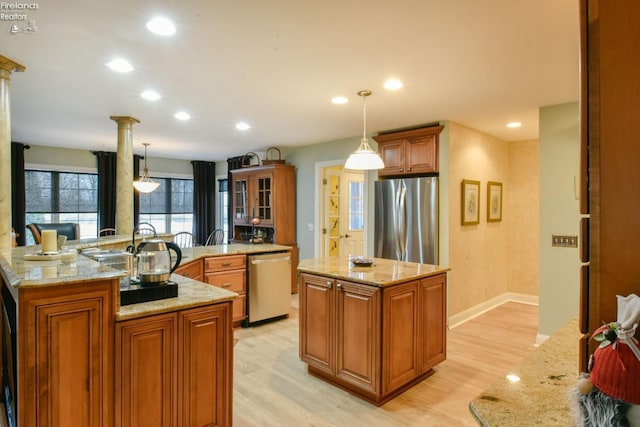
{"points": [[329, 284], [339, 286]]}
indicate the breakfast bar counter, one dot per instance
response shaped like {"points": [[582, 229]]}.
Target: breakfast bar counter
{"points": [[541, 396], [373, 331]]}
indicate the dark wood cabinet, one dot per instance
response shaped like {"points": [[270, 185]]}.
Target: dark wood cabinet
{"points": [[175, 369], [610, 153], [411, 152], [374, 342], [266, 194]]}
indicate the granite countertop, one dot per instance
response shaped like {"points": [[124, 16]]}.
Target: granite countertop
{"points": [[190, 254], [383, 272], [541, 397], [191, 293]]}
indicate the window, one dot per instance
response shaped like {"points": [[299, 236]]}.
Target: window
{"points": [[223, 205], [356, 205], [53, 196], [170, 207]]}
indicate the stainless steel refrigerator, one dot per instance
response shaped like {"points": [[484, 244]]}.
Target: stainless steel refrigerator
{"points": [[406, 219]]}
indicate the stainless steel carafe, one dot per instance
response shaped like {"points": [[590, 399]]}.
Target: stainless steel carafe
{"points": [[154, 261]]}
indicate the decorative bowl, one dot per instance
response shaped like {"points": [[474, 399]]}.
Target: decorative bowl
{"points": [[361, 262]]}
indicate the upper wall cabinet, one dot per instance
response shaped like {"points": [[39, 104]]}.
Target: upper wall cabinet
{"points": [[411, 152]]}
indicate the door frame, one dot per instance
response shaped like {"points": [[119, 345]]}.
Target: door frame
{"points": [[317, 215]]}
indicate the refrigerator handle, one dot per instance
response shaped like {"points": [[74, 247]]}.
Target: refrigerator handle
{"points": [[401, 235]]}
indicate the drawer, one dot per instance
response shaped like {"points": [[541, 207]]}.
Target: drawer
{"points": [[192, 270], [224, 263], [240, 308], [230, 280]]}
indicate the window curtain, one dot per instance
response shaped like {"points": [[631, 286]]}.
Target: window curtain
{"points": [[204, 202], [18, 198], [106, 189], [136, 194]]}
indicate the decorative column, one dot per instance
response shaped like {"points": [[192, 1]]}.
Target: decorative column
{"points": [[124, 174], [7, 66]]}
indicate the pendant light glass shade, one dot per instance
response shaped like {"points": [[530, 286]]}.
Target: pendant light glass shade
{"points": [[364, 158], [145, 184]]}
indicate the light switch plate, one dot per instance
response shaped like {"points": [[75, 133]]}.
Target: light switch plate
{"points": [[564, 241]]}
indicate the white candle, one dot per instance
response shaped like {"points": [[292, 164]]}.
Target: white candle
{"points": [[49, 241]]}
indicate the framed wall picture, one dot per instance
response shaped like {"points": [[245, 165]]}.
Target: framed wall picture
{"points": [[494, 201], [470, 202]]}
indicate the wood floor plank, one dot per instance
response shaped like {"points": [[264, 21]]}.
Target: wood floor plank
{"points": [[272, 386]]}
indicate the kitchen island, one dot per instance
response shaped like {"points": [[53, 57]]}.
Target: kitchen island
{"points": [[74, 356], [373, 331]]}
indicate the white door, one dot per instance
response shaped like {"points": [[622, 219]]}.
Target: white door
{"points": [[352, 218], [342, 212]]}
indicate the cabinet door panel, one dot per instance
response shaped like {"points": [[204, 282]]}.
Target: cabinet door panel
{"points": [[316, 321], [432, 323], [392, 154], [422, 155], [400, 335], [65, 373], [358, 334], [205, 359], [146, 374]]}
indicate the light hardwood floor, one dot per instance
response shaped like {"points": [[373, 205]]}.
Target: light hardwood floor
{"points": [[272, 387]]}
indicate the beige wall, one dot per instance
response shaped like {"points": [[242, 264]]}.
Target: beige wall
{"points": [[481, 256], [523, 196]]}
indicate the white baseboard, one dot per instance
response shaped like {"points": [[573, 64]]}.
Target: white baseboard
{"points": [[540, 339], [477, 310]]}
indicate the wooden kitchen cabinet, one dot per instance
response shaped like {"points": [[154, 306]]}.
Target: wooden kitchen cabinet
{"points": [[609, 155], [65, 367], [267, 193], [146, 372], [192, 270], [372, 341], [230, 273], [411, 152], [175, 369]]}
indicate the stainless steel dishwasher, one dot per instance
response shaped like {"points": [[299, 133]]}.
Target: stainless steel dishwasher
{"points": [[269, 286]]}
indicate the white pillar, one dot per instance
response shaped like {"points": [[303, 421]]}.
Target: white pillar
{"points": [[7, 66], [124, 174]]}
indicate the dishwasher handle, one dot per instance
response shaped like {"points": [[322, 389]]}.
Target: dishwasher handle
{"points": [[270, 260]]}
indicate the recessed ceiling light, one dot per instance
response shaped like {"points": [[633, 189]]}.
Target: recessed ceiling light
{"points": [[181, 115], [393, 84], [120, 65], [161, 26], [150, 95], [243, 126], [514, 125], [339, 100]]}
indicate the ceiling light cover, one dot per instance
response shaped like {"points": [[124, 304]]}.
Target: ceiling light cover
{"points": [[145, 184], [393, 84], [120, 65], [161, 26], [339, 100], [181, 115], [364, 158], [150, 95], [243, 126], [514, 125]]}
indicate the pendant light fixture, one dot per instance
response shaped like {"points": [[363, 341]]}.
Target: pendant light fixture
{"points": [[145, 184], [364, 158]]}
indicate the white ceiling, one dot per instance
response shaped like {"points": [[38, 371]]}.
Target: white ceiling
{"points": [[277, 64]]}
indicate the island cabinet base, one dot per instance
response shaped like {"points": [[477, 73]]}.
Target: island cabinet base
{"points": [[175, 369], [374, 342]]}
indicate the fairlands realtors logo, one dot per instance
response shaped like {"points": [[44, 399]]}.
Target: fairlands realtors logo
{"points": [[19, 16]]}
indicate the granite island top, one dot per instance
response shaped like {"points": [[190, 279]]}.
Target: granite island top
{"points": [[541, 397], [383, 272]]}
